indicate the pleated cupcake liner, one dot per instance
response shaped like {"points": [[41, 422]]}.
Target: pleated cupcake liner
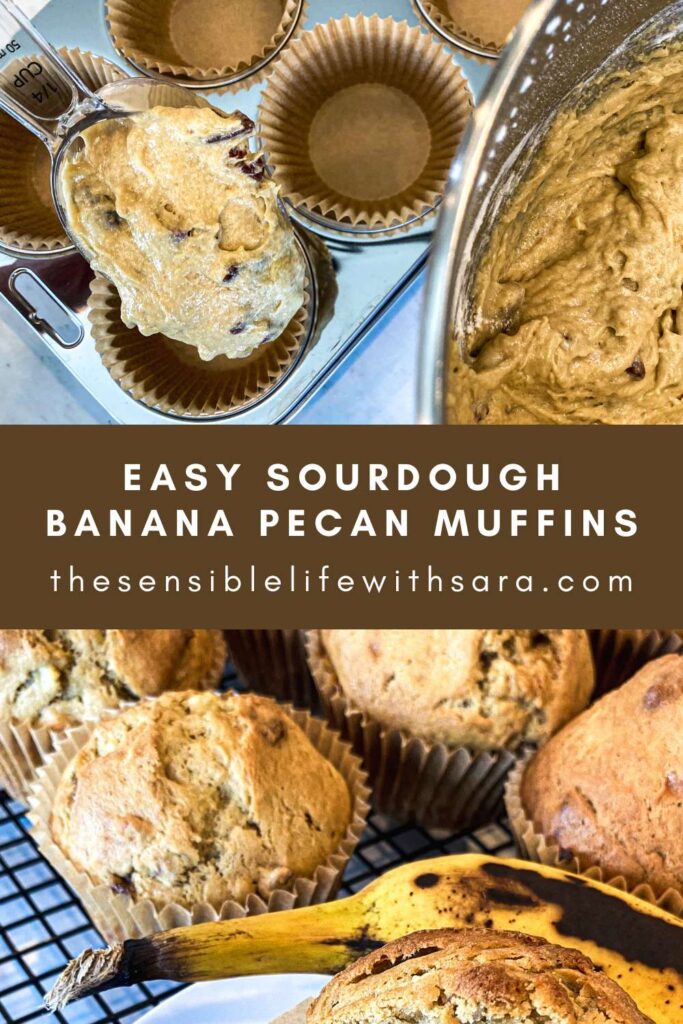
{"points": [[327, 86], [474, 33], [144, 34], [170, 376], [273, 662], [619, 653]]}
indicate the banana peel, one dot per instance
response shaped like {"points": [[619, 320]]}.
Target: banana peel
{"points": [[637, 944]]}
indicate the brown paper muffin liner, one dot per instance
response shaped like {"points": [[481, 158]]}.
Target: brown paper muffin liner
{"points": [[28, 220], [534, 846], [169, 375], [118, 916], [360, 120], [24, 749], [273, 661], [483, 25], [413, 780], [619, 653], [200, 40]]}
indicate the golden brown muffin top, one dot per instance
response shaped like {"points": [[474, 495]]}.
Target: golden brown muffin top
{"points": [[200, 797], [59, 677], [609, 787], [473, 976], [481, 688]]}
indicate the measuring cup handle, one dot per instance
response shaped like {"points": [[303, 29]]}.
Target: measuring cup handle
{"points": [[48, 130]]}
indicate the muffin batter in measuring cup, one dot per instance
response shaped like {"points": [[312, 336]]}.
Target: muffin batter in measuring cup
{"points": [[162, 195]]}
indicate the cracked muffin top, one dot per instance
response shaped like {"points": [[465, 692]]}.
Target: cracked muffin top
{"points": [[450, 976], [579, 790], [200, 797], [481, 688], [60, 677]]}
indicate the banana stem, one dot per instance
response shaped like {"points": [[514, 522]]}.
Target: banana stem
{"points": [[292, 942]]}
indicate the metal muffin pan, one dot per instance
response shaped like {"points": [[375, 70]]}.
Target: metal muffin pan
{"points": [[50, 292], [461, 42]]}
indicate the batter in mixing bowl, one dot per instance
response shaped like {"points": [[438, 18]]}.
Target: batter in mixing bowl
{"points": [[579, 299]]}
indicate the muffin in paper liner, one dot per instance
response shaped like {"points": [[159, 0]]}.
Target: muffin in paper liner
{"points": [[619, 653], [201, 40], [534, 846], [118, 916], [170, 376], [412, 779], [28, 219], [25, 748], [273, 661], [360, 120], [480, 27]]}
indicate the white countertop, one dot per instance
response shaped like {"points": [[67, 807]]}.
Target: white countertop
{"points": [[376, 383]]}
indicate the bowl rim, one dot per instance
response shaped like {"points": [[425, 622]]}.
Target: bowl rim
{"points": [[439, 298]]}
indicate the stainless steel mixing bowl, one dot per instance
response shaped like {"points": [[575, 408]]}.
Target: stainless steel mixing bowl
{"points": [[558, 50]]}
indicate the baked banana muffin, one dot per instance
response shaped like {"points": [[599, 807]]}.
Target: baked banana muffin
{"points": [[473, 975], [199, 797], [59, 677], [609, 787], [480, 688]]}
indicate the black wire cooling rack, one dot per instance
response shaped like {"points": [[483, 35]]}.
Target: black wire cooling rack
{"points": [[43, 925]]}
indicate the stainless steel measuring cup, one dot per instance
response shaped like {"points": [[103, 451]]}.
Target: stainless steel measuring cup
{"points": [[79, 106]]}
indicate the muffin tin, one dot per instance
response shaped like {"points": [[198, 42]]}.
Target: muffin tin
{"points": [[360, 274], [478, 27]]}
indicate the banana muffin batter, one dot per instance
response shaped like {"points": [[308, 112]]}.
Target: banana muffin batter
{"points": [[178, 213], [579, 298]]}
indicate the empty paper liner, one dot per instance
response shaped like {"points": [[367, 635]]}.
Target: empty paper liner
{"points": [[120, 916], [360, 120], [28, 220], [25, 748], [170, 376], [412, 779], [201, 40], [533, 845], [483, 25]]}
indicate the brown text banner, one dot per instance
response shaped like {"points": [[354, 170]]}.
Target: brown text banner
{"points": [[340, 526]]}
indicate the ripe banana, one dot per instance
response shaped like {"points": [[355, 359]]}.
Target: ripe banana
{"points": [[635, 943]]}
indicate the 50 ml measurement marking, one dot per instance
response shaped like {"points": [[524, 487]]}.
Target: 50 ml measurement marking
{"points": [[9, 48]]}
